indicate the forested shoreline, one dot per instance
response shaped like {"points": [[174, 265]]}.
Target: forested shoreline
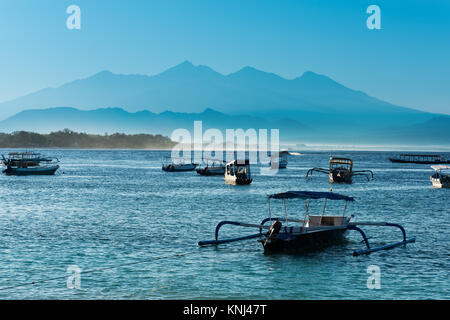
{"points": [[70, 139]]}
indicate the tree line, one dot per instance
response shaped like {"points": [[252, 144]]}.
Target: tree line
{"points": [[70, 139]]}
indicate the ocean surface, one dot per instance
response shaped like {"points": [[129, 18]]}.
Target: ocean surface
{"points": [[133, 230]]}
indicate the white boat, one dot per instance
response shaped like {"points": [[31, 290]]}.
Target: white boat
{"points": [[238, 172], [282, 160], [29, 163], [341, 171], [177, 165], [441, 177], [212, 167]]}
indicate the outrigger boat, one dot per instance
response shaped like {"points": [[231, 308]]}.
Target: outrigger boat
{"points": [[441, 178], [29, 163], [238, 172], [281, 162], [310, 233], [420, 159], [171, 164], [341, 171], [213, 167]]}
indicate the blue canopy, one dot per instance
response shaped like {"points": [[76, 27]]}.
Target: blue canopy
{"points": [[310, 195]]}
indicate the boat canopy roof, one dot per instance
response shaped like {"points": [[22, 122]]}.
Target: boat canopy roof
{"points": [[23, 152], [239, 162], [440, 167], [310, 195], [340, 160]]}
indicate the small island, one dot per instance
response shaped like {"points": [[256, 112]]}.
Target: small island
{"points": [[77, 140]]}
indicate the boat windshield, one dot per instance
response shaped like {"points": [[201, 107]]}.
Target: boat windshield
{"points": [[311, 207], [341, 162], [213, 163]]}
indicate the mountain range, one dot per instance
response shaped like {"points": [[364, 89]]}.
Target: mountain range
{"points": [[311, 107]]}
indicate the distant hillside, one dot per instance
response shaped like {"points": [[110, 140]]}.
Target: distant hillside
{"points": [[309, 108], [190, 89], [435, 131], [70, 139], [118, 120]]}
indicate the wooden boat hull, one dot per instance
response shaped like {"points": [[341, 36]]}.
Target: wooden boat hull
{"points": [[418, 162], [439, 183], [305, 242], [282, 163], [338, 176], [30, 171], [243, 182], [211, 171], [179, 168], [237, 180]]}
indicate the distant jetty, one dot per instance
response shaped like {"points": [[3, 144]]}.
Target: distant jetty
{"points": [[76, 140]]}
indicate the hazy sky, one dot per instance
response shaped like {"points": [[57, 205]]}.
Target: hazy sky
{"points": [[407, 62]]}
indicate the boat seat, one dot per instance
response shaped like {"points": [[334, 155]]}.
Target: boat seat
{"points": [[325, 220]]}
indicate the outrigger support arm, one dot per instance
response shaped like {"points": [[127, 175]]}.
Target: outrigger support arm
{"points": [[217, 241], [235, 223], [367, 173], [353, 226], [322, 170]]}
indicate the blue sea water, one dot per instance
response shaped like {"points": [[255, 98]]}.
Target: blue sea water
{"points": [[106, 208]]}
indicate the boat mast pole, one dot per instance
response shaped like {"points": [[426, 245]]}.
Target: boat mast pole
{"points": [[285, 212], [323, 211], [306, 213], [345, 208]]}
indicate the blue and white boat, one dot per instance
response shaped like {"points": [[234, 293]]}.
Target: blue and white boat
{"points": [[212, 167], [279, 161], [441, 177], [29, 163], [308, 232], [171, 164], [237, 172]]}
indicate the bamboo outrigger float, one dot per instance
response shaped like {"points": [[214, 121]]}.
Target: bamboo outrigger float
{"points": [[341, 171], [307, 234]]}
